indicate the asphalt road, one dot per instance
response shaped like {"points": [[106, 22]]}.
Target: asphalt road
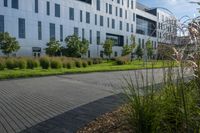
{"points": [[24, 103]]}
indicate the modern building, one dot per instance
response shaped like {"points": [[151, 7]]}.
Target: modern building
{"points": [[35, 22]]}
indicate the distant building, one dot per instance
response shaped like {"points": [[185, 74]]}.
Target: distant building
{"points": [[35, 22]]}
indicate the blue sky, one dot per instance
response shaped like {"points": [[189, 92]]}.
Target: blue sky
{"points": [[178, 7]]}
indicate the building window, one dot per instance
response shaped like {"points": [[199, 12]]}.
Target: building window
{"points": [[88, 53], [116, 54], [132, 28], [113, 23], [61, 33], [110, 9], [5, 3], [127, 27], [126, 14], [106, 7], [15, 4], [101, 20], [83, 34], [132, 4], [120, 12], [71, 13], [95, 19], [48, 8], [81, 16], [98, 4], [1, 23], [76, 31], [90, 36], [52, 31], [133, 16], [22, 28], [120, 25], [108, 22], [98, 37], [39, 30], [101, 54], [87, 17], [57, 10], [116, 11], [36, 6]]}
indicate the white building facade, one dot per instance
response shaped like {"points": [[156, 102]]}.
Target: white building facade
{"points": [[35, 22]]}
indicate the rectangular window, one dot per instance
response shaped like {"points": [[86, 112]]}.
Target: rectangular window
{"points": [[52, 31], [133, 16], [71, 13], [120, 12], [98, 37], [87, 17], [22, 28], [110, 9], [1, 23], [90, 36], [57, 10], [48, 8], [76, 31], [116, 11], [101, 20], [120, 25], [113, 23], [126, 14], [132, 4], [61, 33], [39, 30], [98, 5], [83, 33], [15, 4], [108, 22], [127, 27], [95, 19], [5, 3], [81, 16], [106, 7], [132, 28], [36, 6]]}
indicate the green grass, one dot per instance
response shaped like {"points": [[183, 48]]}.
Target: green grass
{"points": [[106, 66]]}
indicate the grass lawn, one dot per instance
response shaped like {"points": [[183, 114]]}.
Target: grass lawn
{"points": [[106, 66]]}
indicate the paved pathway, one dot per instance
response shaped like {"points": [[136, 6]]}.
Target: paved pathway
{"points": [[50, 104]]}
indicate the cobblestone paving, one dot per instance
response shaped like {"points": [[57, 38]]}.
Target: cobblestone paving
{"points": [[50, 104]]}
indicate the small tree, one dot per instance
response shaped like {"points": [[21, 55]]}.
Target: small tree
{"points": [[133, 43], [8, 44], [108, 47], [127, 49], [139, 52], [76, 47], [53, 48], [149, 48]]}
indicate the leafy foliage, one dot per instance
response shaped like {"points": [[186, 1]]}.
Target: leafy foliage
{"points": [[149, 49], [8, 44], [127, 49], [108, 45], [139, 51], [53, 48]]}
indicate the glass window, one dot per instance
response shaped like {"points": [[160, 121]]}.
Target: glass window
{"points": [[90, 36], [57, 10], [81, 16], [76, 31], [1, 23], [39, 30], [36, 6], [120, 12], [22, 33], [108, 22], [110, 9], [71, 13], [15, 4], [83, 33], [127, 27], [48, 8], [98, 37], [95, 19], [5, 3], [101, 20], [87, 17], [61, 33], [98, 5], [52, 31], [113, 23], [120, 25]]}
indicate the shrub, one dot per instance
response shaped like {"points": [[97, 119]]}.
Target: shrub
{"points": [[122, 60], [84, 64], [78, 63], [56, 63], [45, 62], [90, 62], [11, 63], [21, 63], [2, 64], [32, 63], [97, 61]]}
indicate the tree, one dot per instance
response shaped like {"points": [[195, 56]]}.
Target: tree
{"points": [[139, 52], [149, 48], [127, 49], [108, 47], [8, 44], [133, 43], [53, 48], [76, 47]]}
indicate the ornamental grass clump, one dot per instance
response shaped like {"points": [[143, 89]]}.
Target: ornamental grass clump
{"points": [[32, 63], [21, 63], [78, 63], [45, 62], [2, 64], [56, 63], [11, 63]]}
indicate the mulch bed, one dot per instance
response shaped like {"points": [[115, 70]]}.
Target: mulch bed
{"points": [[113, 122]]}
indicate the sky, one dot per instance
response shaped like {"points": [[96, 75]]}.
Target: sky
{"points": [[178, 7]]}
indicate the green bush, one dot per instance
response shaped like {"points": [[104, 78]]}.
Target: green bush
{"points": [[97, 60], [21, 63], [122, 60], [2, 64], [78, 63], [32, 63], [84, 64], [45, 62], [90, 62], [11, 63], [56, 63]]}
